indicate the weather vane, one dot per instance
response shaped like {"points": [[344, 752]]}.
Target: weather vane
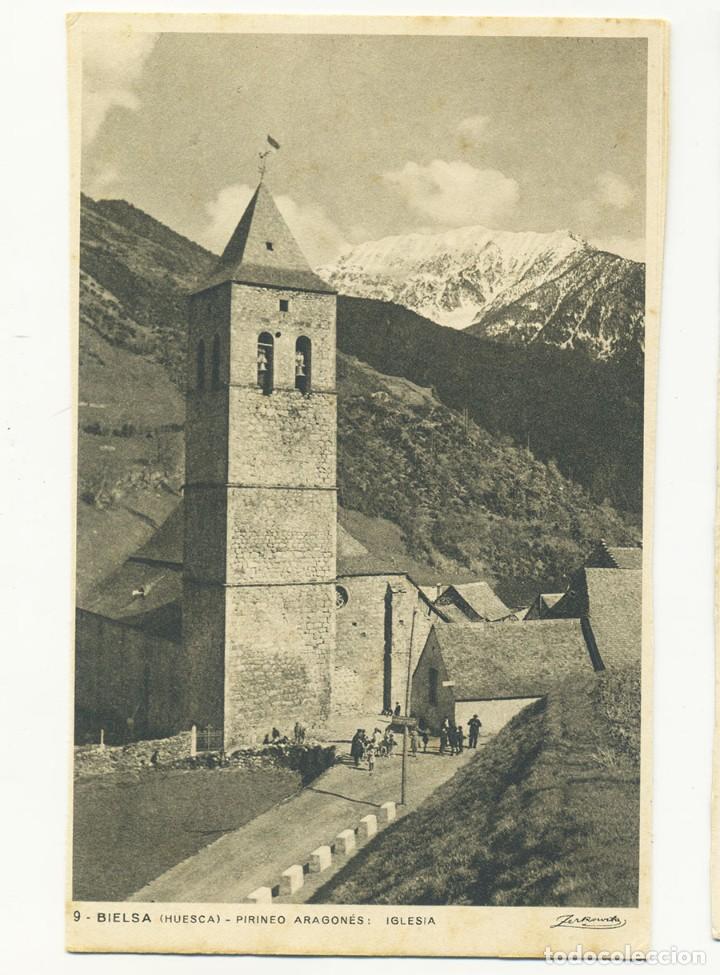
{"points": [[273, 146]]}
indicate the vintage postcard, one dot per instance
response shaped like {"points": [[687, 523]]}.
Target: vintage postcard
{"points": [[367, 324]]}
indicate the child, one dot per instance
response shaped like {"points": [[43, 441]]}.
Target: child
{"points": [[370, 753], [413, 743]]}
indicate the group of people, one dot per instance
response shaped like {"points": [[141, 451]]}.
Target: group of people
{"points": [[452, 736], [364, 747], [276, 738], [392, 712]]}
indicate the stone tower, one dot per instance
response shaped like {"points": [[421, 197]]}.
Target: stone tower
{"points": [[260, 492]]}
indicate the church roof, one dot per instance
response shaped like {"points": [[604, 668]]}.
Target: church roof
{"points": [[166, 545], [478, 596], [504, 660], [263, 251], [142, 594]]}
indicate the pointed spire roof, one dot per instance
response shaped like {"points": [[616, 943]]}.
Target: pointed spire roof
{"points": [[262, 251]]}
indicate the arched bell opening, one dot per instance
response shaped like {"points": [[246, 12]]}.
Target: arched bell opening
{"points": [[265, 362], [303, 364]]}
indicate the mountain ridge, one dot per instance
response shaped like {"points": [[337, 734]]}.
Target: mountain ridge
{"points": [[505, 285]]}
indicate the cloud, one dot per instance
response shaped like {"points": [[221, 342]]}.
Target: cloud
{"points": [[612, 191], [112, 64], [320, 239], [632, 248], [472, 130], [101, 182], [455, 193]]}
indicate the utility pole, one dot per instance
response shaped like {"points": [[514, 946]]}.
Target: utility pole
{"points": [[403, 780]]}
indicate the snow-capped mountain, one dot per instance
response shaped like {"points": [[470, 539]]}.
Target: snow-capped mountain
{"points": [[517, 287]]}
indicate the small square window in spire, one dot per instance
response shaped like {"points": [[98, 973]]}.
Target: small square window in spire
{"points": [[284, 304], [268, 245]]}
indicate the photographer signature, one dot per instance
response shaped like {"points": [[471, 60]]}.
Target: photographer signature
{"points": [[596, 923]]}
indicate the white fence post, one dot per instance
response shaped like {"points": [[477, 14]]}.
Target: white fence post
{"points": [[193, 741], [102, 739]]}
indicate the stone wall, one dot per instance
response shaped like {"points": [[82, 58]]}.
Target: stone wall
{"points": [[284, 439], [493, 714], [363, 632], [278, 536], [206, 410], [422, 705], [203, 668], [205, 513], [406, 599], [373, 641], [133, 757], [126, 681], [279, 658]]}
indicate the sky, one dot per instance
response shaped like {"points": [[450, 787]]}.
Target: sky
{"points": [[379, 135]]}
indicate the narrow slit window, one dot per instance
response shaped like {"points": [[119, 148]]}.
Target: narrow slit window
{"points": [[200, 367], [433, 685], [215, 372], [268, 245], [265, 349], [303, 364], [284, 304]]}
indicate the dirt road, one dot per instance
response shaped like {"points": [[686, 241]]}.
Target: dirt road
{"points": [[256, 854]]}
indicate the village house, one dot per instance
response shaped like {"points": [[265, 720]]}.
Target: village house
{"points": [[495, 669]]}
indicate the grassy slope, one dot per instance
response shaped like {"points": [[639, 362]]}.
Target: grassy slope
{"points": [[530, 821], [130, 828]]}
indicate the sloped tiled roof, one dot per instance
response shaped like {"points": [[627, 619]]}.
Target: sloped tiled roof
{"points": [[503, 660], [453, 612], [248, 259], [479, 597], [615, 614], [166, 545], [626, 558], [612, 602], [542, 604], [607, 556], [161, 585]]}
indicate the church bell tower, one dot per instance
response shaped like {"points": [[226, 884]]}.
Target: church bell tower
{"points": [[260, 492]]}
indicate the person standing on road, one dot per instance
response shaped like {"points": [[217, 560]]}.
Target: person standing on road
{"points": [[459, 738], [370, 753], [474, 725], [356, 747], [443, 738]]}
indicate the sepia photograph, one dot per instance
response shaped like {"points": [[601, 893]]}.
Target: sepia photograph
{"points": [[366, 335]]}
